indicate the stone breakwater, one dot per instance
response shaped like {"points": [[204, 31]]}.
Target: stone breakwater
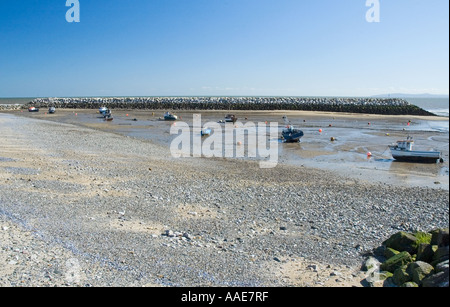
{"points": [[411, 260], [391, 106], [10, 107]]}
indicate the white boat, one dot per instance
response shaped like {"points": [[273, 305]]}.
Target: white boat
{"points": [[169, 116], [230, 118], [403, 151], [206, 132], [103, 110]]}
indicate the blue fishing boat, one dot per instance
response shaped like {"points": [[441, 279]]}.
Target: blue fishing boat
{"points": [[291, 134]]}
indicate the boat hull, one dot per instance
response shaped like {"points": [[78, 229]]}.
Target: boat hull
{"points": [[206, 132], [416, 156], [292, 136]]}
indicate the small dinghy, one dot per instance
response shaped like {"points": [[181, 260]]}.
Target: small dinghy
{"points": [[170, 116], [206, 132], [230, 118]]}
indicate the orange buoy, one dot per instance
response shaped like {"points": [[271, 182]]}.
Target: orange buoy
{"points": [[239, 143], [320, 130]]}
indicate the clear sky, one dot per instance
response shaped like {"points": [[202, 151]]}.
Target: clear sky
{"points": [[223, 47]]}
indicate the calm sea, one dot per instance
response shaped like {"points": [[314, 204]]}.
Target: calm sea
{"points": [[438, 106]]}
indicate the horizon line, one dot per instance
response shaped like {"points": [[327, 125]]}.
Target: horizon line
{"points": [[393, 95]]}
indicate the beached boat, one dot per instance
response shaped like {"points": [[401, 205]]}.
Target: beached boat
{"points": [[170, 116], [108, 116], [403, 151], [291, 134], [33, 109], [206, 132], [51, 110], [230, 118]]}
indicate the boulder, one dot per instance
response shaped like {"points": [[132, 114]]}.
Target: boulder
{"points": [[390, 252], [442, 266], [402, 242], [380, 251], [440, 255], [372, 264], [440, 279], [443, 237], [410, 284], [383, 275], [419, 270], [396, 261], [425, 252], [401, 276], [440, 237]]}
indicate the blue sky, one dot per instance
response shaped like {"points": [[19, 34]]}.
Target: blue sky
{"points": [[223, 48]]}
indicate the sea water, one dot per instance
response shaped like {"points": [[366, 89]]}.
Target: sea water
{"points": [[438, 106]]}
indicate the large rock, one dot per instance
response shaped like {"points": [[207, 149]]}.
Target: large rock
{"points": [[440, 237], [425, 252], [442, 266], [410, 284], [401, 276], [402, 242], [396, 262], [390, 252], [440, 279], [440, 255], [419, 270]]}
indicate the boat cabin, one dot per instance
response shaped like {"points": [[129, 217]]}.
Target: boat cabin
{"points": [[405, 145]]}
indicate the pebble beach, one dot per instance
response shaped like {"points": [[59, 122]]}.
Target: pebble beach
{"points": [[86, 204]]}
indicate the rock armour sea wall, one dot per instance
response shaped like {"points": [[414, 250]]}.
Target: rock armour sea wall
{"points": [[10, 106], [388, 106]]}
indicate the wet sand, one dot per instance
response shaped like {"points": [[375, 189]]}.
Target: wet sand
{"points": [[342, 146]]}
